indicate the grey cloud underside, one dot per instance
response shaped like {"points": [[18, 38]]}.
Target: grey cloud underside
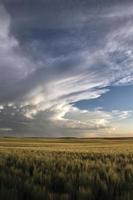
{"points": [[12, 118], [55, 53]]}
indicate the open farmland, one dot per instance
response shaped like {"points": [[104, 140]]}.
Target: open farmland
{"points": [[66, 169]]}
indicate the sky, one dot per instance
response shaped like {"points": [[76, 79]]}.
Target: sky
{"points": [[66, 68]]}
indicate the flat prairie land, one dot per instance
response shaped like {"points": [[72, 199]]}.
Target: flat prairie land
{"points": [[66, 169], [106, 145]]}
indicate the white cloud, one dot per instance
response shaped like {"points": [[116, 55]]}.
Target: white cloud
{"points": [[34, 87], [1, 107], [14, 66]]}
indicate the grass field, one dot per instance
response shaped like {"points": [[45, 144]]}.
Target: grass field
{"points": [[66, 169]]}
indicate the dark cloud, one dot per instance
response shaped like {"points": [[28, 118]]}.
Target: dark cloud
{"points": [[55, 53]]}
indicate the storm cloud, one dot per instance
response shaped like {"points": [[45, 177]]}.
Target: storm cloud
{"points": [[56, 53]]}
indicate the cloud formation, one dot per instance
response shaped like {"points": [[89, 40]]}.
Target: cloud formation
{"points": [[55, 54]]}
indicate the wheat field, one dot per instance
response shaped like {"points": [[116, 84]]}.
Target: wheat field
{"points": [[66, 169]]}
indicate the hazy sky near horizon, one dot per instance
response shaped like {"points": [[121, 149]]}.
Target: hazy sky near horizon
{"points": [[66, 68]]}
